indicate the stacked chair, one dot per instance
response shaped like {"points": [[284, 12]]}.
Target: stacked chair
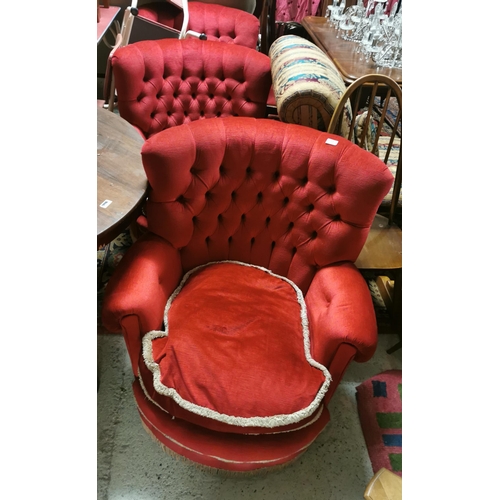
{"points": [[178, 19]]}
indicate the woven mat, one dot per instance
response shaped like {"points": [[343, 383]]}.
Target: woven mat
{"points": [[380, 413]]}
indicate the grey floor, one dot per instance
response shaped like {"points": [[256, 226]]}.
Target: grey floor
{"points": [[132, 466]]}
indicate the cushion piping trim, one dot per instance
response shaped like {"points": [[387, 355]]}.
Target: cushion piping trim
{"points": [[267, 422], [151, 400]]}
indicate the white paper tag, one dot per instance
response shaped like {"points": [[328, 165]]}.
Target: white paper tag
{"points": [[105, 204], [332, 142]]}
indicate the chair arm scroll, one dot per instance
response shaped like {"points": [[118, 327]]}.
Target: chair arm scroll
{"points": [[340, 311], [141, 284]]}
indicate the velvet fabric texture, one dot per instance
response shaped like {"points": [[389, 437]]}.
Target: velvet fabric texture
{"points": [[218, 22], [293, 200], [235, 349], [165, 83]]}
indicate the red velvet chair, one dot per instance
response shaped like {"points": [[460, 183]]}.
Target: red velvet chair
{"points": [[241, 308], [164, 83], [217, 22]]}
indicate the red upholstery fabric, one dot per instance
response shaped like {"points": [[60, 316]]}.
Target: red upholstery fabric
{"points": [[339, 303], [294, 200], [164, 83], [260, 192], [235, 353], [218, 22]]}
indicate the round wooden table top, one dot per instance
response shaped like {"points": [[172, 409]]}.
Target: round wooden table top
{"points": [[121, 180]]}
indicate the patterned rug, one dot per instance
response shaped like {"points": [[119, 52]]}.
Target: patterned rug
{"points": [[380, 412], [108, 257]]}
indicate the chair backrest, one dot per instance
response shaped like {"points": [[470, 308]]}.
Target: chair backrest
{"points": [[282, 196], [165, 83], [377, 105]]}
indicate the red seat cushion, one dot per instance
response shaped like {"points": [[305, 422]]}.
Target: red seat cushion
{"points": [[235, 353]]}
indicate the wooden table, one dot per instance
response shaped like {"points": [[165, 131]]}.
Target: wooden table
{"points": [[343, 52], [121, 181]]}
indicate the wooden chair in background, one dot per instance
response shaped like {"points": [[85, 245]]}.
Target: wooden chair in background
{"points": [[370, 97]]}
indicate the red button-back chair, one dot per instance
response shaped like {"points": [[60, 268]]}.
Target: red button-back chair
{"points": [[241, 308], [217, 22], [165, 83]]}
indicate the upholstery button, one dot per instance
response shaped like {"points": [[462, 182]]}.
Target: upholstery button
{"points": [[202, 113], [336, 217], [208, 195], [310, 207], [294, 250], [193, 95], [259, 196], [314, 235], [185, 113], [252, 241], [218, 114], [181, 199], [243, 217], [219, 217], [304, 181], [248, 170], [273, 244], [276, 175], [230, 239], [330, 189], [268, 220], [207, 240], [233, 195], [290, 226], [285, 201], [211, 96]]}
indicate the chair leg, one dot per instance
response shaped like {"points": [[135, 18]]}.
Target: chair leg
{"points": [[394, 348]]}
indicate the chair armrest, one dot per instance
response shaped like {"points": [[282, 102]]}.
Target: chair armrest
{"points": [[141, 284], [340, 310]]}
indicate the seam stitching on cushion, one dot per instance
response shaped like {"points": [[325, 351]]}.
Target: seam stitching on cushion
{"points": [[149, 398]]}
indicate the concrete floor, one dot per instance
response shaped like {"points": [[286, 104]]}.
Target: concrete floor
{"points": [[132, 466]]}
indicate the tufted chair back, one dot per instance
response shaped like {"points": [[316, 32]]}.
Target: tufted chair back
{"points": [[218, 22], [282, 196], [164, 83]]}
